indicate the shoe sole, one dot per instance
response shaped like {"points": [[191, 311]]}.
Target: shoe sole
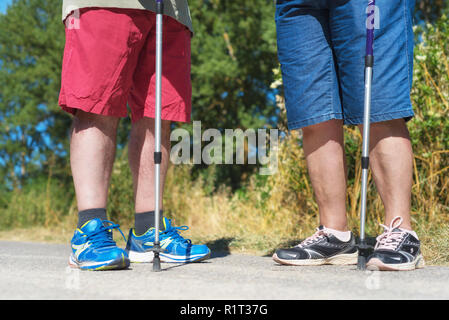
{"points": [[147, 257], [376, 264], [116, 264], [340, 259]]}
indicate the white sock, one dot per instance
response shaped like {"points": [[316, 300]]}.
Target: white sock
{"points": [[344, 236], [413, 233]]}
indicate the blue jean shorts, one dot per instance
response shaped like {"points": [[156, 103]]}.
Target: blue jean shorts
{"points": [[321, 49]]}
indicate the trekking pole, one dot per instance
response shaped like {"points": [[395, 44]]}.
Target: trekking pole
{"points": [[157, 134], [364, 249]]}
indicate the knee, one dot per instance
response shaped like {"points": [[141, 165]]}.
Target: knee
{"points": [[85, 120], [386, 129], [328, 128]]}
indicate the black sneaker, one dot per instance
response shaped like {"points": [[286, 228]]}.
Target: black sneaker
{"points": [[321, 248], [396, 250]]}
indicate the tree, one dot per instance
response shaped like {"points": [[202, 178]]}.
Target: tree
{"points": [[233, 57], [32, 127], [430, 10], [233, 54]]}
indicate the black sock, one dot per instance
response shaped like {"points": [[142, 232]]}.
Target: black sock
{"points": [[145, 220], [86, 215]]}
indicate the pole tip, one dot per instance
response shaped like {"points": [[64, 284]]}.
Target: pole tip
{"points": [[361, 263], [364, 252], [156, 264]]}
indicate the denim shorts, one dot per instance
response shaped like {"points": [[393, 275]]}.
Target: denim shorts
{"points": [[321, 49]]}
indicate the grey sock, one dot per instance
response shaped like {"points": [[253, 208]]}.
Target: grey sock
{"points": [[89, 214], [145, 220]]}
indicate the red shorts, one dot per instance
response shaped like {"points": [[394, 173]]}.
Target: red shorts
{"points": [[109, 63]]}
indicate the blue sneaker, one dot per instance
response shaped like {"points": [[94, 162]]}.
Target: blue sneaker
{"points": [[176, 248], [94, 249]]}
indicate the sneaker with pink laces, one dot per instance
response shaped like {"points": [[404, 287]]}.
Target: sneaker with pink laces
{"points": [[396, 250], [323, 247]]}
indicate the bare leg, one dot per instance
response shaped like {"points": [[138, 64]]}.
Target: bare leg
{"points": [[92, 152], [141, 160], [391, 161], [324, 151]]}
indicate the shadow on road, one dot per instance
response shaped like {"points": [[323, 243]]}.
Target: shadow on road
{"points": [[220, 247]]}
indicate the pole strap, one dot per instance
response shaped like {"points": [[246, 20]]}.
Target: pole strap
{"points": [[365, 162], [157, 157], [369, 61]]}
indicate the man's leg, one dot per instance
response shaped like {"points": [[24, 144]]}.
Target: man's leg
{"points": [[141, 160], [391, 161], [90, 66], [176, 106], [92, 152], [324, 150]]}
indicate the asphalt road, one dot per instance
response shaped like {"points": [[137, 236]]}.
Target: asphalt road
{"points": [[40, 271]]}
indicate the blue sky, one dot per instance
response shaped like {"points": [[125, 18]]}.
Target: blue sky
{"points": [[3, 5]]}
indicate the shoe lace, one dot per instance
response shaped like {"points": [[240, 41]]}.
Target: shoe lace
{"points": [[173, 232], [392, 235], [102, 237], [318, 235]]}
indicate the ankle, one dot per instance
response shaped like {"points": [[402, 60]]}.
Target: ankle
{"points": [[344, 236], [89, 214], [145, 220]]}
